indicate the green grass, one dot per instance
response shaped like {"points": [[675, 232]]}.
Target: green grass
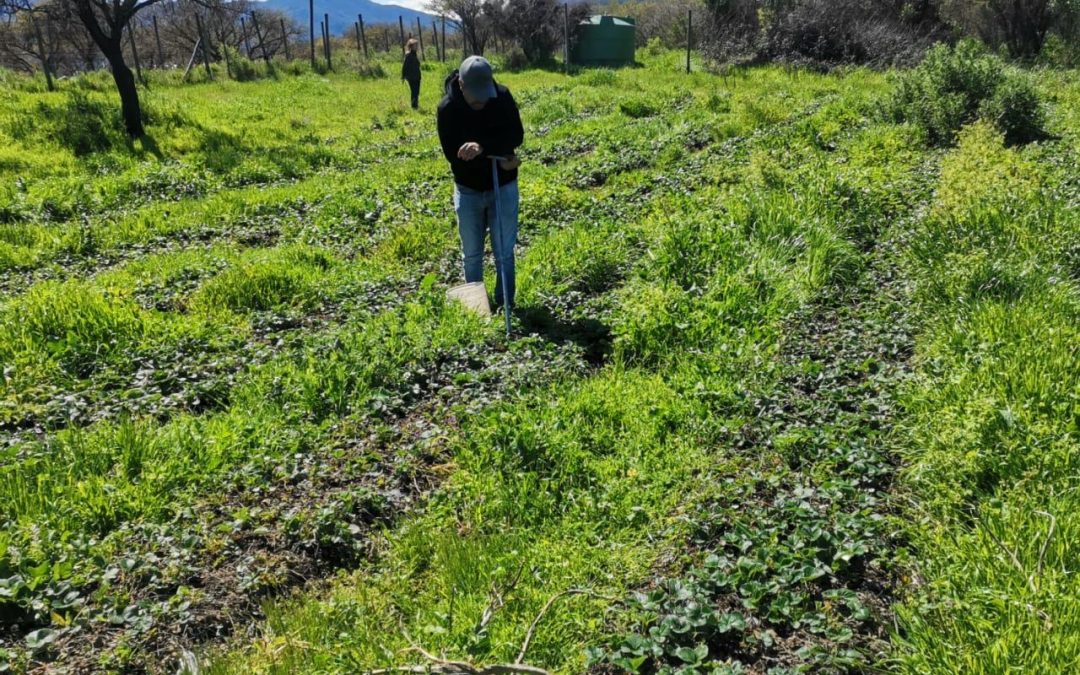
{"points": [[994, 416], [227, 356]]}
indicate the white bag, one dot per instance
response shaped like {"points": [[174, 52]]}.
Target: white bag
{"points": [[473, 296]]}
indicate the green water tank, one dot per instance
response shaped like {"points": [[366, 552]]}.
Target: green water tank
{"points": [[604, 41]]}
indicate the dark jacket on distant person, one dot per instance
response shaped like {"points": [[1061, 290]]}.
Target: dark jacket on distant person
{"points": [[497, 128], [410, 69]]}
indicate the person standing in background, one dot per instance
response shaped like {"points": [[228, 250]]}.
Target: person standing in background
{"points": [[410, 71]]}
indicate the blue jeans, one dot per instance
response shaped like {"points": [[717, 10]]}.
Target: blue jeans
{"points": [[476, 216]]}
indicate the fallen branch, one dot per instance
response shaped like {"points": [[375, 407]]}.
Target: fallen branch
{"points": [[442, 666], [536, 621]]}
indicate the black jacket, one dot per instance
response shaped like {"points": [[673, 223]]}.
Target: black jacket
{"points": [[410, 68], [497, 128]]}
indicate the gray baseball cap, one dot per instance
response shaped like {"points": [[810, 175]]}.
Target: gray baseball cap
{"points": [[476, 77]]}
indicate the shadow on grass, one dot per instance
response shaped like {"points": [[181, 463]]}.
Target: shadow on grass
{"points": [[593, 336], [146, 144]]}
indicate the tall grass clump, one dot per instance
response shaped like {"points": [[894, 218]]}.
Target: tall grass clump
{"points": [[994, 453], [79, 122], [955, 86], [72, 324], [278, 278], [371, 70]]}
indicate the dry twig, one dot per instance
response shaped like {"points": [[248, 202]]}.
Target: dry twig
{"points": [[441, 666]]}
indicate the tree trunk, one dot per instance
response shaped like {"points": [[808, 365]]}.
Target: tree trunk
{"points": [[129, 93], [43, 54], [111, 49]]}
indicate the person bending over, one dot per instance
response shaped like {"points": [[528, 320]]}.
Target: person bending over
{"points": [[478, 119]]}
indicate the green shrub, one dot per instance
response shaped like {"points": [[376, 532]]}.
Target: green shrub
{"points": [[1016, 110], [269, 280], [515, 61], [954, 87]]}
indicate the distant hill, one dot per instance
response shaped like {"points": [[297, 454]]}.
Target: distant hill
{"points": [[343, 13]]}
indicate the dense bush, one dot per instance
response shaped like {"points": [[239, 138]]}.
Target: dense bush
{"points": [[1022, 27], [534, 26], [956, 86], [243, 69], [823, 32], [662, 21]]}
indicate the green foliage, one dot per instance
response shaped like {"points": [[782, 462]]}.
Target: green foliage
{"points": [[243, 69], [954, 86], [1016, 110], [601, 77]]}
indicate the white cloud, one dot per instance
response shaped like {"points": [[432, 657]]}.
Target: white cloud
{"points": [[420, 5]]}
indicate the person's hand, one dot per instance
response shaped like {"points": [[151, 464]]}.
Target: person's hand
{"points": [[510, 163], [470, 151]]}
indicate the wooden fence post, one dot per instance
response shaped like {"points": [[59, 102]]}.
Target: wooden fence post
{"points": [[363, 36], [45, 65], [566, 37], [259, 34], [420, 36], [205, 45], [401, 27], [444, 37], [135, 52], [157, 39], [689, 36], [244, 35], [435, 34], [191, 61], [326, 41], [311, 30], [285, 38]]}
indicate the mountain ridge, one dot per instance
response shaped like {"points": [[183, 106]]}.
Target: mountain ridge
{"points": [[343, 13]]}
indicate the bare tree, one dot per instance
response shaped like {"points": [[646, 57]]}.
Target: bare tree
{"points": [[28, 41], [661, 19], [536, 26], [1022, 26], [80, 53], [106, 22], [469, 18]]}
